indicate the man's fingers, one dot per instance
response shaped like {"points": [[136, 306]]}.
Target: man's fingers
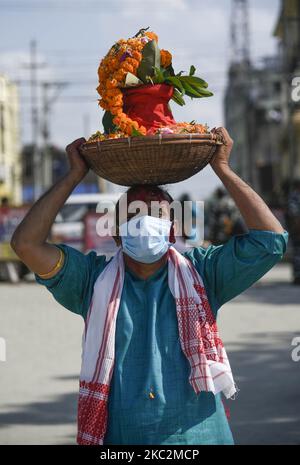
{"points": [[225, 135], [75, 144]]}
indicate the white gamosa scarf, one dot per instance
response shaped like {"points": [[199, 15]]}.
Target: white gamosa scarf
{"points": [[198, 334]]}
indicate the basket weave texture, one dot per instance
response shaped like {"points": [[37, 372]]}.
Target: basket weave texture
{"points": [[159, 159]]}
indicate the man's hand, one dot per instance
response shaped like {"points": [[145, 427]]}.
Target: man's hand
{"points": [[78, 166], [221, 157]]}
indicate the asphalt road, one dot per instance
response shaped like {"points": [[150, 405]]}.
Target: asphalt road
{"points": [[39, 380]]}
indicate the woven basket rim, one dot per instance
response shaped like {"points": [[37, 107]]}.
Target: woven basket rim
{"points": [[155, 139], [157, 160]]}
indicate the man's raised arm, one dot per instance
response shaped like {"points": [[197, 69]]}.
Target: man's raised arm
{"points": [[29, 240], [253, 209]]}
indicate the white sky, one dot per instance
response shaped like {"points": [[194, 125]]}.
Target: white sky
{"points": [[73, 35]]}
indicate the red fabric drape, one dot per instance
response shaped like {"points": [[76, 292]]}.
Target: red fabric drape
{"points": [[148, 105]]}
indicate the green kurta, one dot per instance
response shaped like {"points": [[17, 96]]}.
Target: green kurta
{"points": [[148, 354]]}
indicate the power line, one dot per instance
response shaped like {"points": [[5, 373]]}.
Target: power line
{"points": [[89, 7]]}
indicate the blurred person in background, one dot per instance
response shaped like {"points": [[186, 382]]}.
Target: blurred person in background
{"points": [[293, 218], [191, 230], [154, 367], [223, 218], [3, 211], [4, 205], [11, 270]]}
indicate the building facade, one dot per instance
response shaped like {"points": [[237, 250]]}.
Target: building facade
{"points": [[253, 117], [287, 31], [262, 111], [10, 158]]}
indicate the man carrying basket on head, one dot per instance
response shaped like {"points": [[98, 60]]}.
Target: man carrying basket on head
{"points": [[153, 364]]}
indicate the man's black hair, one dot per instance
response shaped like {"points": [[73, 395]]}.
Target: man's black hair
{"points": [[152, 189]]}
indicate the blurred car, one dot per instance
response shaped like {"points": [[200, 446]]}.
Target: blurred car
{"points": [[73, 223]]}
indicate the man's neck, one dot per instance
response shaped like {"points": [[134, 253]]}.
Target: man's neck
{"points": [[144, 270]]}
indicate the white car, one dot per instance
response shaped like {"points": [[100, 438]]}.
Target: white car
{"points": [[75, 224]]}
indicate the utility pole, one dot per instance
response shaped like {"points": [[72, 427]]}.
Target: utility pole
{"points": [[34, 119], [241, 69], [48, 101], [33, 66], [240, 33]]}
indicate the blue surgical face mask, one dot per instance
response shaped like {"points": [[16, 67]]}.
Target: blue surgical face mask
{"points": [[145, 238]]}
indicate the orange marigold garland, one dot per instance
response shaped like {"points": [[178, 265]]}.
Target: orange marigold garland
{"points": [[165, 58], [124, 57], [130, 63]]}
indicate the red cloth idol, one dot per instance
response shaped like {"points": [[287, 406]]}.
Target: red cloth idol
{"points": [[148, 105]]}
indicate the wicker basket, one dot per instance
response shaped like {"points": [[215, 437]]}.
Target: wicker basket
{"points": [[160, 159]]}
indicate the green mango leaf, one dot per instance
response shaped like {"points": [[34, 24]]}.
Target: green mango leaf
{"points": [[192, 95], [195, 81], [178, 98], [107, 122], [204, 92], [175, 81], [199, 81], [170, 70], [196, 91], [190, 90], [150, 61], [192, 70], [165, 73], [159, 76]]}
